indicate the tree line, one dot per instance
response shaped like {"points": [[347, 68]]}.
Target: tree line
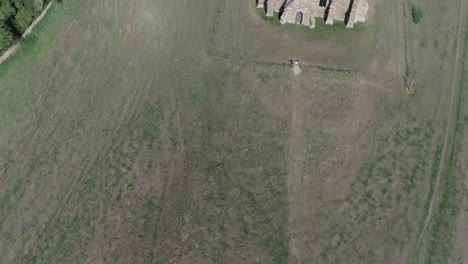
{"points": [[15, 18]]}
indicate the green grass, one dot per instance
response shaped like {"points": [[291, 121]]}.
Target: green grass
{"points": [[416, 14], [273, 19], [432, 183], [264, 76], [195, 100], [440, 237], [331, 69], [150, 124], [90, 183]]}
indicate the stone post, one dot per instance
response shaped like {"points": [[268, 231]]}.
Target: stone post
{"points": [[271, 7], [331, 14], [352, 15], [352, 18], [309, 20], [278, 5], [312, 21], [261, 4]]}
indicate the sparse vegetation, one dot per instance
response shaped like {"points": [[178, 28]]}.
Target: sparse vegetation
{"points": [[432, 183], [263, 76]]}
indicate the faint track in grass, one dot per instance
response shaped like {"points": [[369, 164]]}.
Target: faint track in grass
{"points": [[451, 121], [296, 169], [139, 98], [41, 127], [54, 218]]}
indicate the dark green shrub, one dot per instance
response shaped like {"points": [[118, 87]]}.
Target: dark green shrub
{"points": [[6, 37], [416, 14]]}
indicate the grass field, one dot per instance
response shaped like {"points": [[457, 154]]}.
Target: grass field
{"points": [[175, 132]]}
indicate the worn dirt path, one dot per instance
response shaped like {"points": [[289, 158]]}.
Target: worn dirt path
{"points": [[28, 31], [452, 115]]}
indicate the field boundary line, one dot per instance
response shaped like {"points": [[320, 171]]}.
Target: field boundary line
{"points": [[11, 50], [451, 122], [367, 78]]}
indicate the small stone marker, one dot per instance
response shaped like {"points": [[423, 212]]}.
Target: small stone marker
{"points": [[295, 64]]}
